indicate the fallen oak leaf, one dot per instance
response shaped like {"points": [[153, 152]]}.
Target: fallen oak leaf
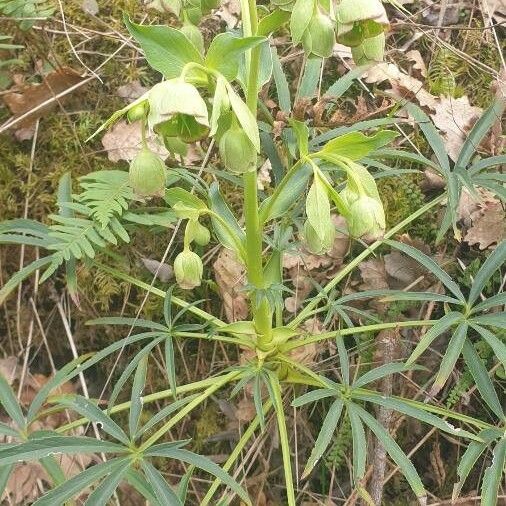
{"points": [[124, 140], [230, 277], [28, 103]]}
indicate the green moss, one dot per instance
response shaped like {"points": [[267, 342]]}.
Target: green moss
{"points": [[401, 197]]}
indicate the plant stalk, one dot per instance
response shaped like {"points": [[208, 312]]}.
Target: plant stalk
{"points": [[262, 313]]}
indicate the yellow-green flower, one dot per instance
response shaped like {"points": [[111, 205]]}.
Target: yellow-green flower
{"points": [[147, 174], [188, 269]]}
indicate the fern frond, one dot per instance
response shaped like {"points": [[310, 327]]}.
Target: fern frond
{"points": [[27, 12], [107, 193], [79, 238], [441, 75]]}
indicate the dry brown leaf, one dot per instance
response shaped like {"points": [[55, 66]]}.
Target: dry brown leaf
{"points": [[488, 225], [432, 181], [9, 369], [124, 140], [373, 274], [455, 117], [245, 411], [496, 9], [418, 63], [264, 175], [230, 278], [131, 91], [230, 12], [24, 98], [402, 269], [163, 271]]}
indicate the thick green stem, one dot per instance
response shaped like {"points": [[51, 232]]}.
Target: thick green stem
{"points": [[262, 313]]}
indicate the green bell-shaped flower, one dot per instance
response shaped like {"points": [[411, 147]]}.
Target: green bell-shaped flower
{"points": [[366, 218], [147, 174], [319, 37], [188, 269], [236, 151], [371, 50], [315, 244], [176, 109], [359, 20]]}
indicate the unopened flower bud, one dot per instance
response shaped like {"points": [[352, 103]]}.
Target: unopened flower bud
{"points": [[315, 244], [199, 233], [366, 218], [319, 37], [188, 269], [147, 174], [138, 112], [237, 152]]}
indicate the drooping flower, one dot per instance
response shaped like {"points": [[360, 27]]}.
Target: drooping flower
{"points": [[236, 151], [319, 37], [147, 174], [176, 109], [188, 269]]}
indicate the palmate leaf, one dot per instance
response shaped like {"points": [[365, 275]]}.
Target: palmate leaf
{"points": [[359, 442], [395, 452], [324, 438], [9, 402], [108, 486], [42, 447], [80, 482], [107, 193], [481, 378], [135, 399], [174, 451], [493, 262], [162, 490], [493, 475], [86, 408]]}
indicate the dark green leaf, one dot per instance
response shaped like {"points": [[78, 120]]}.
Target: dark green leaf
{"points": [[166, 49]]}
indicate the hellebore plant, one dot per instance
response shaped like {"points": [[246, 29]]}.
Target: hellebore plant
{"points": [[213, 97]]}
